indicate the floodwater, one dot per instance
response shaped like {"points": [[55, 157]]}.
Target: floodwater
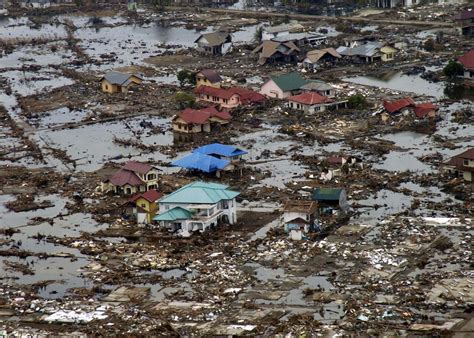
{"points": [[401, 82]]}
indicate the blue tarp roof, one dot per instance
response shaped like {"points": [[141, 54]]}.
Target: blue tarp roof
{"points": [[220, 150], [206, 163]]}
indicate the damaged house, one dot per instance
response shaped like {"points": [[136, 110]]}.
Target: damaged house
{"points": [[133, 177], [143, 206], [269, 33], [462, 165], [208, 77], [467, 61], [299, 218], [407, 106], [330, 200], [197, 206], [315, 59], [116, 82], [228, 98], [464, 21], [216, 43], [270, 52], [192, 121], [368, 51], [283, 86]]}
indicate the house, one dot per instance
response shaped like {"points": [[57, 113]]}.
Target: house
{"points": [[228, 98], [368, 51], [208, 77], [299, 217], [402, 106], [462, 164], [316, 58], [198, 121], [222, 151], [216, 43], [395, 3], [270, 52], [407, 106], [116, 82], [132, 178], [319, 87], [465, 22], [303, 40], [143, 205], [283, 86], [331, 199], [197, 207], [426, 110], [269, 33], [309, 102], [467, 60]]}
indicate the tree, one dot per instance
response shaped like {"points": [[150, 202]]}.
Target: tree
{"points": [[184, 100], [258, 35], [357, 101], [429, 45], [453, 69], [183, 76]]}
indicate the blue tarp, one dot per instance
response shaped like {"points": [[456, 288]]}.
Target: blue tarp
{"points": [[197, 161], [219, 150]]}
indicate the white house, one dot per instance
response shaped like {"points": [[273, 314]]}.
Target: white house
{"points": [[197, 207], [309, 102], [299, 217]]}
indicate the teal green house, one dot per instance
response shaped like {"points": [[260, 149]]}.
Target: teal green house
{"points": [[197, 206]]}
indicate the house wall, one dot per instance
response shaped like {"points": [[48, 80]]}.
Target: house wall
{"points": [[107, 87], [270, 89], [468, 74], [343, 204], [230, 212], [291, 215], [182, 127], [203, 81], [150, 207], [227, 104], [388, 53], [307, 108], [468, 176]]}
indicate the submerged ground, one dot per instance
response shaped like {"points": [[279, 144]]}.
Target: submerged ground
{"points": [[402, 263]]}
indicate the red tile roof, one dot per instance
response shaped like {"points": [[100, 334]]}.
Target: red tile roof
{"points": [[151, 196], [310, 98], [395, 106], [246, 95], [467, 60], [138, 167], [422, 109], [123, 177], [202, 115]]}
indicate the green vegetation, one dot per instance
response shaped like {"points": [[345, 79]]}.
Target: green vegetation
{"points": [[453, 69], [184, 100], [357, 101], [186, 77]]}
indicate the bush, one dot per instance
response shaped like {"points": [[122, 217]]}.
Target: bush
{"points": [[185, 76], [357, 101], [184, 100], [453, 69]]}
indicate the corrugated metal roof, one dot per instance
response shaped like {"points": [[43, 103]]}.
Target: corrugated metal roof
{"points": [[220, 150], [123, 177], [200, 193], [117, 78], [317, 86], [215, 39], [211, 75], [368, 49], [299, 36]]}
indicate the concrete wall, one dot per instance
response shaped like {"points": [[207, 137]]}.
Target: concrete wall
{"points": [[270, 89]]}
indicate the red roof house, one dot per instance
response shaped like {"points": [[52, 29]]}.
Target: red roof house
{"points": [[467, 60], [199, 120], [133, 177], [151, 196], [228, 98], [397, 106], [463, 163], [426, 109], [310, 98]]}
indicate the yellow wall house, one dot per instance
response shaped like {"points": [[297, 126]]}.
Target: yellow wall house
{"points": [[115, 82], [208, 77], [388, 53], [145, 206]]}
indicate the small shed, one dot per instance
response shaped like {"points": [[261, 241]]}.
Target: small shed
{"points": [[330, 199]]}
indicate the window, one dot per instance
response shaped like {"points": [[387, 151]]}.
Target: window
{"points": [[167, 207], [106, 87], [143, 205], [208, 97], [466, 162], [151, 176], [225, 204]]}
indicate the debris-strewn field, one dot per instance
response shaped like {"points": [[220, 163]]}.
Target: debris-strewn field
{"points": [[398, 262]]}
